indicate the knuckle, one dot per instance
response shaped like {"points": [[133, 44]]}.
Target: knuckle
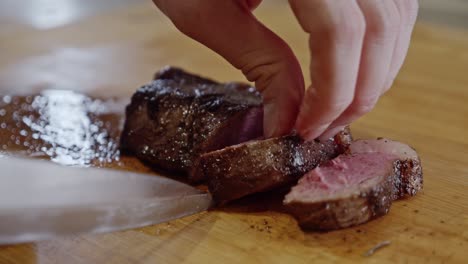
{"points": [[383, 20], [391, 23], [338, 21], [349, 31], [385, 25], [261, 70], [349, 28], [262, 65]]}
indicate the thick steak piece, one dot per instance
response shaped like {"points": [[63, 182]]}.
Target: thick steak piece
{"points": [[179, 116], [261, 165], [357, 186]]}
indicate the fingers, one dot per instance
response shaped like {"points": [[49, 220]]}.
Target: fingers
{"points": [[336, 29], [382, 28], [228, 28], [357, 48], [329, 133], [408, 10]]}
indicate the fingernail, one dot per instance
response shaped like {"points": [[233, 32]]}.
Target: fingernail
{"points": [[311, 134], [330, 133]]}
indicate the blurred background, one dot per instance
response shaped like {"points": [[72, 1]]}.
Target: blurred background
{"points": [[45, 14], [59, 43]]}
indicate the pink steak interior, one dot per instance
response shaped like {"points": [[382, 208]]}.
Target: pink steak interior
{"points": [[342, 177]]}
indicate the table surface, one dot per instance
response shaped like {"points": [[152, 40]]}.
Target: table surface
{"points": [[113, 53]]}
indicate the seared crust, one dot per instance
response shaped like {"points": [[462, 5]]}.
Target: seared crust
{"points": [[343, 139], [179, 75], [409, 178], [173, 120], [262, 165]]}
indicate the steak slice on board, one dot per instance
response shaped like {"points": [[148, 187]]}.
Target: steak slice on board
{"points": [[357, 186], [261, 165]]}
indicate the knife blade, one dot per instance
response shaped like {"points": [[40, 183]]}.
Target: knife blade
{"points": [[41, 200]]}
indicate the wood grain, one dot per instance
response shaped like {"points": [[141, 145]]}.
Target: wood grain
{"points": [[113, 53]]}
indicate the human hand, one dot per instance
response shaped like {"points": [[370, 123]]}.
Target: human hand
{"points": [[357, 48]]}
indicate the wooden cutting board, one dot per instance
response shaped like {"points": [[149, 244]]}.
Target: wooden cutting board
{"points": [[115, 52]]}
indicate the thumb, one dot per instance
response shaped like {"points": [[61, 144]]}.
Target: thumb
{"points": [[230, 29]]}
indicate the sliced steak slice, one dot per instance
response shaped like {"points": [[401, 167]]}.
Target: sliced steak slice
{"points": [[179, 116], [357, 186], [261, 165]]}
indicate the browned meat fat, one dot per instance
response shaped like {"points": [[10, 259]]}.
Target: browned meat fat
{"points": [[261, 165], [177, 117], [357, 186]]}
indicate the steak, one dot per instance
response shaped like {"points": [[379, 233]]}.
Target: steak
{"points": [[357, 186], [177, 117], [212, 132], [261, 165]]}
